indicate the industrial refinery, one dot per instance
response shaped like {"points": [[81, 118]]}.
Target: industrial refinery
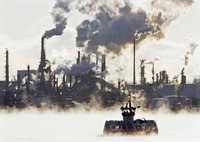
{"points": [[99, 70], [85, 81], [42, 87], [112, 26]]}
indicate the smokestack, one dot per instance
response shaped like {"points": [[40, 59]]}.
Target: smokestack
{"points": [[103, 69], [134, 46], [183, 77], [28, 80], [153, 73], [157, 78], [7, 72], [54, 81], [119, 84], [79, 57], [97, 61], [70, 80], [142, 67], [43, 54], [64, 81], [42, 63], [18, 81], [103, 64], [57, 86], [50, 77]]}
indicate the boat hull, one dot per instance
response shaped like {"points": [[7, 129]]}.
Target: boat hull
{"points": [[137, 127]]}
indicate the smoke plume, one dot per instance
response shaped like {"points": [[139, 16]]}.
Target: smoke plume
{"points": [[190, 52], [110, 30], [115, 22], [60, 10], [177, 2], [82, 68]]}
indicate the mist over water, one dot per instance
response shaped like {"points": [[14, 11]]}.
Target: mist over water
{"points": [[88, 127]]}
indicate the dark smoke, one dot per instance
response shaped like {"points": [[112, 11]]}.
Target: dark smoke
{"points": [[115, 21], [63, 5], [60, 25], [111, 30], [60, 9]]}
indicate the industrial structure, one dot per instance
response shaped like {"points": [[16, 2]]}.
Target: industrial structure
{"points": [[42, 87], [161, 90], [86, 80]]}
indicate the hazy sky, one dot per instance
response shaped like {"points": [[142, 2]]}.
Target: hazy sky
{"points": [[23, 22]]}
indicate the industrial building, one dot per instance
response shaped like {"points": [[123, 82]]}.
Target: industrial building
{"points": [[85, 81], [42, 87]]}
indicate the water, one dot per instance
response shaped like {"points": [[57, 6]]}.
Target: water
{"points": [[88, 127]]}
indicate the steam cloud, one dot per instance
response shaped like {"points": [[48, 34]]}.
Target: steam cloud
{"points": [[114, 22], [177, 2], [115, 30], [83, 68], [190, 52], [76, 69]]}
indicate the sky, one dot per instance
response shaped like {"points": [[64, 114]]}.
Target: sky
{"points": [[23, 22]]}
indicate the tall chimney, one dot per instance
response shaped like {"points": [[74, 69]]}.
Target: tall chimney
{"points": [[54, 80], [79, 57], [43, 54], [28, 80], [97, 61], [7, 72], [64, 81], [183, 76], [142, 68], [70, 80], [153, 73], [103, 64], [134, 46], [103, 69], [157, 78], [42, 64]]}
